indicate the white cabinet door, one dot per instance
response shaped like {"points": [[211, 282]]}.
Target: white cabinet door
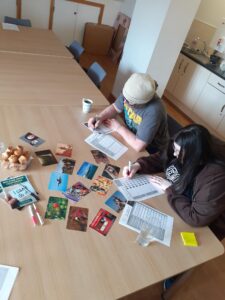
{"points": [[37, 11], [221, 128], [191, 82], [7, 8], [70, 18], [209, 106], [175, 74]]}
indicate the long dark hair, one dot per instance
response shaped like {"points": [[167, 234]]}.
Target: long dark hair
{"points": [[196, 151]]}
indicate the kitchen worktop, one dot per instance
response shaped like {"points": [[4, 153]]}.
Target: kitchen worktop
{"points": [[204, 61]]}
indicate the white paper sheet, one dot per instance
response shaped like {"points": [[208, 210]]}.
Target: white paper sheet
{"points": [[7, 278], [106, 144], [137, 188], [135, 214], [8, 26]]}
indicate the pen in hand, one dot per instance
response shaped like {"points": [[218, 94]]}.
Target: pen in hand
{"points": [[129, 167], [96, 119]]}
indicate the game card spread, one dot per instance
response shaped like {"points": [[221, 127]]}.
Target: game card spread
{"points": [[32, 139], [56, 208], [103, 221], [116, 201], [46, 157], [58, 182], [76, 191], [66, 166], [77, 218], [100, 157], [111, 171], [64, 150], [87, 170], [101, 185]]}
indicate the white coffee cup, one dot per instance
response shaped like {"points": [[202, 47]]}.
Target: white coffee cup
{"points": [[87, 105]]}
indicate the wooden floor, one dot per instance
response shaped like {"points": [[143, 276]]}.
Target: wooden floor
{"points": [[208, 280]]}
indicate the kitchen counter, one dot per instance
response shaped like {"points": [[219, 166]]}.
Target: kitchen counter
{"points": [[204, 61]]}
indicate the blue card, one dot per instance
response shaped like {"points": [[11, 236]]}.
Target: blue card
{"points": [[58, 182], [116, 201], [87, 170]]}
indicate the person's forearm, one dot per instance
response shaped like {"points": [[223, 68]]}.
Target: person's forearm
{"points": [[131, 139], [108, 113]]}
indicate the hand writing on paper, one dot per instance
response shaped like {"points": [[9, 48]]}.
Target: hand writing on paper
{"points": [[129, 174]]}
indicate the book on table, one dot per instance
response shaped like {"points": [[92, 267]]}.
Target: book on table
{"points": [[18, 191]]}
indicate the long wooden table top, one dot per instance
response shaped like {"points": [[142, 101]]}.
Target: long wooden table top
{"points": [[56, 263], [33, 41], [29, 79]]}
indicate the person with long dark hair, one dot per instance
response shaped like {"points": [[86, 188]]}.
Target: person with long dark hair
{"points": [[194, 177]]}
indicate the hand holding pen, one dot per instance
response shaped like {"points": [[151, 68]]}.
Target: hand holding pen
{"points": [[94, 122], [130, 170]]}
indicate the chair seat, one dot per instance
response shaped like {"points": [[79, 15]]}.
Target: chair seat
{"points": [[96, 73], [76, 49]]}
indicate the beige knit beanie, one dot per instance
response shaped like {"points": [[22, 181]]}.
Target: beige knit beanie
{"points": [[139, 88]]}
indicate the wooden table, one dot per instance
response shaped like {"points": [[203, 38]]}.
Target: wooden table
{"points": [[33, 41], [56, 263], [29, 79]]}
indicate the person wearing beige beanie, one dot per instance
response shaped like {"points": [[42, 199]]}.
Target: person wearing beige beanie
{"points": [[144, 115]]}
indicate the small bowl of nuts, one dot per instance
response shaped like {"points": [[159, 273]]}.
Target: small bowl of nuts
{"points": [[16, 158]]}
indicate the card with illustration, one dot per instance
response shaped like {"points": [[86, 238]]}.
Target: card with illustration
{"points": [[64, 150], [46, 157], [66, 166], [56, 208], [116, 201], [100, 157], [101, 185], [103, 221], [77, 218], [111, 171], [76, 191], [87, 170], [58, 182], [32, 139]]}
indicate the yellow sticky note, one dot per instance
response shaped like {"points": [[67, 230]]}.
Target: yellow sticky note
{"points": [[189, 239]]}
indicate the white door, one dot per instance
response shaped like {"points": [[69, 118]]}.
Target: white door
{"points": [[70, 18], [37, 11], [209, 105], [221, 128], [175, 74], [7, 8], [85, 13], [191, 82]]}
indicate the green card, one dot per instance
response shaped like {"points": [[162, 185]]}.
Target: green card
{"points": [[56, 208]]}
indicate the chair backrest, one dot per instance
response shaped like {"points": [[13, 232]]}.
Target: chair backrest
{"points": [[76, 49], [96, 73], [173, 126], [20, 22]]}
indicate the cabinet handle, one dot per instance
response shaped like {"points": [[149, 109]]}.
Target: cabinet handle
{"points": [[185, 68], [181, 62], [222, 108], [220, 85]]}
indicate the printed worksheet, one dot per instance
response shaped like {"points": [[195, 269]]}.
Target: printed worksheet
{"points": [[137, 188], [137, 214], [107, 144], [7, 278]]}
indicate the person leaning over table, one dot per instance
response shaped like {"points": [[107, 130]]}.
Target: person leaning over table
{"points": [[144, 115], [194, 177]]}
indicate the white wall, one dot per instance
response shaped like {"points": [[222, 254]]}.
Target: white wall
{"points": [[127, 7], [156, 34], [7, 8], [211, 12]]}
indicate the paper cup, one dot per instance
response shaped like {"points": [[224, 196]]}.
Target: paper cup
{"points": [[87, 105]]}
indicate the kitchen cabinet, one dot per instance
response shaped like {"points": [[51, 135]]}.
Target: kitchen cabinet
{"points": [[187, 81], [210, 107]]}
